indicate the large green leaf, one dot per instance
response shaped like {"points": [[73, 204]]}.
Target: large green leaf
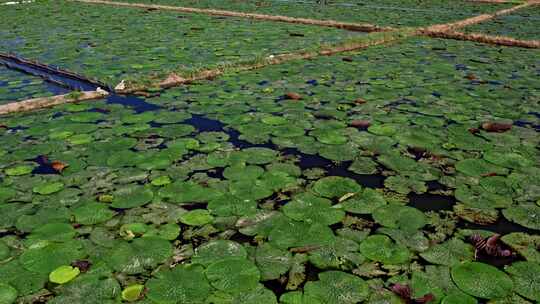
{"points": [[182, 284], [336, 287], [482, 280]]}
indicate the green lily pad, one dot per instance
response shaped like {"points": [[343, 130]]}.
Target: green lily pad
{"points": [[19, 170], [6, 194], [313, 209], [342, 253], [478, 167], [140, 254], [272, 262], [229, 205], [182, 284], [335, 186], [46, 257], [259, 156], [525, 215], [64, 274], [131, 197], [526, 245], [88, 289], [365, 202], [381, 248], [336, 287], [449, 253], [289, 234], [217, 250], [526, 278], [363, 165], [400, 217], [482, 280], [8, 294], [48, 188], [404, 185], [92, 213], [198, 217], [329, 136], [233, 275], [132, 293]]}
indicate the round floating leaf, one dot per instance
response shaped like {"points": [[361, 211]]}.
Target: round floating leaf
{"points": [[8, 294], [88, 289], [525, 244], [242, 172], [140, 254], [313, 209], [215, 251], [383, 129], [259, 295], [336, 287], [478, 167], [48, 188], [329, 136], [365, 202], [526, 277], [24, 281], [57, 232], [229, 205], [400, 217], [198, 217], [272, 262], [525, 215], [92, 213], [131, 197], [19, 170], [49, 256], [363, 165], [259, 156], [381, 248], [64, 274], [482, 280], [449, 253], [340, 254], [250, 189], [404, 185], [233, 275], [335, 186], [507, 159], [290, 233], [161, 180], [274, 120], [6, 194], [132, 293]]}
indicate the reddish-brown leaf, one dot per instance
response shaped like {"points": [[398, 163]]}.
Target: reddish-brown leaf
{"points": [[471, 76], [58, 166], [293, 96], [347, 59], [496, 127], [474, 130], [362, 124], [360, 101]]}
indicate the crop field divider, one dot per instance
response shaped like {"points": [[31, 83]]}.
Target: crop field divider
{"points": [[477, 19], [45, 102], [482, 38], [359, 27]]}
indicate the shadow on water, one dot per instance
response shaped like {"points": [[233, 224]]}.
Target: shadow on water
{"points": [[138, 104], [431, 202]]}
